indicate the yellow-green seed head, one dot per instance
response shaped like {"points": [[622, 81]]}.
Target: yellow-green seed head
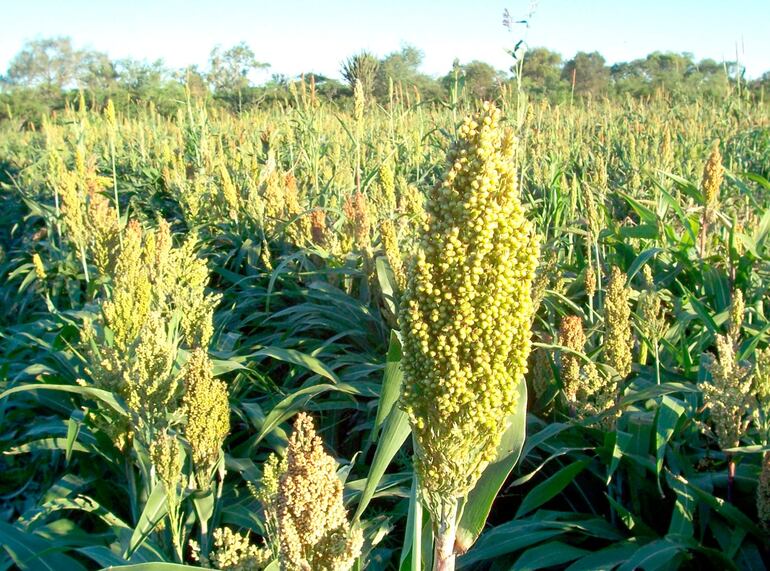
{"points": [[737, 309], [73, 211], [229, 192], [208, 414], [37, 263], [126, 312], [109, 114], [166, 456], [103, 233], [392, 252], [761, 380], [232, 551], [313, 530], [728, 395], [617, 323], [357, 220], [466, 311], [650, 310], [713, 174], [590, 281], [571, 336]]}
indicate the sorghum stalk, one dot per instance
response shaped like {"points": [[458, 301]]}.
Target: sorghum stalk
{"points": [[763, 493], [465, 318], [113, 126]]}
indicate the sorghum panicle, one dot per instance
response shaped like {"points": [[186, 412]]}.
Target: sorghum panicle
{"points": [[208, 414], [466, 312], [728, 395], [737, 309], [713, 174], [392, 252], [313, 530], [617, 314]]}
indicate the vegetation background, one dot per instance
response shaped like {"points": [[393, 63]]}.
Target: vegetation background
{"points": [[189, 261]]}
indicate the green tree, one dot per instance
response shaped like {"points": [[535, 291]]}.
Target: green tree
{"points": [[402, 67], [709, 78], [588, 73], [96, 72], [361, 67], [229, 71], [478, 80], [50, 64], [541, 73]]}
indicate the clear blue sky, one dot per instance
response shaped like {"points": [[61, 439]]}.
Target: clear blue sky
{"points": [[297, 36]]}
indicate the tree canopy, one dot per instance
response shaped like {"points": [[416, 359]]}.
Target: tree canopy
{"points": [[44, 71]]}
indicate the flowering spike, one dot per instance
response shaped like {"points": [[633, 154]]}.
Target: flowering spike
{"points": [[466, 315]]}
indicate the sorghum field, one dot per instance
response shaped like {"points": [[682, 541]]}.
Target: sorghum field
{"points": [[509, 335]]}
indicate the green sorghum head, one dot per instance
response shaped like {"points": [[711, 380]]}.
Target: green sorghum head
{"points": [[466, 311]]}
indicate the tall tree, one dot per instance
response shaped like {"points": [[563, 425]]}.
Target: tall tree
{"points": [[95, 71], [541, 73], [361, 67], [48, 63], [588, 73], [479, 80], [229, 70], [404, 67]]}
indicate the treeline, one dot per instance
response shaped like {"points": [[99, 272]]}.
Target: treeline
{"points": [[47, 74]]}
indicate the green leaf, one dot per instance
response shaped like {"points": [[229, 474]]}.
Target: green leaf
{"points": [[702, 312], [153, 566], [635, 395], [396, 431], [645, 214], [620, 442], [296, 402], [73, 429], [102, 555], [479, 502], [551, 487], [91, 392], [495, 544], [547, 555], [411, 556], [31, 552], [666, 419], [386, 281], [154, 510], [204, 503], [605, 559], [643, 231], [682, 515], [298, 358], [391, 383], [641, 260], [732, 514], [658, 554]]}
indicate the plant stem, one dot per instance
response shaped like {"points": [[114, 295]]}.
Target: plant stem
{"points": [[642, 353], [115, 185], [730, 477], [704, 228], [84, 263], [444, 552], [131, 489]]}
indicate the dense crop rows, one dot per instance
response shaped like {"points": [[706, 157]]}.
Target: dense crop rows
{"points": [[205, 314]]}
